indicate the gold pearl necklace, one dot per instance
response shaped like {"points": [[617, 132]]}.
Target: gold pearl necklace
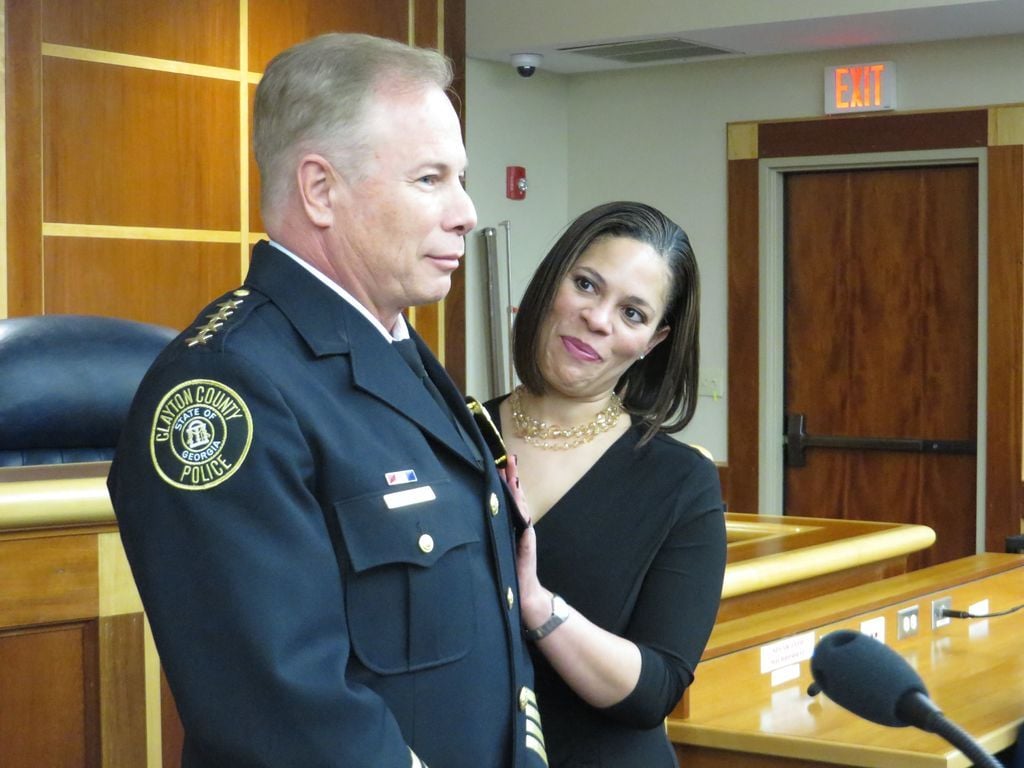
{"points": [[552, 437]]}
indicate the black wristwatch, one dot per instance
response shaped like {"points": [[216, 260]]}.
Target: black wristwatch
{"points": [[559, 613]]}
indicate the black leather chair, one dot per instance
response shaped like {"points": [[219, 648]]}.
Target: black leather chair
{"points": [[66, 382]]}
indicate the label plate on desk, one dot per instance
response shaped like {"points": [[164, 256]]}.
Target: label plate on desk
{"points": [[787, 651]]}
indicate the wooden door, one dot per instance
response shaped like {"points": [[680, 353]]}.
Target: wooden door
{"points": [[881, 348]]}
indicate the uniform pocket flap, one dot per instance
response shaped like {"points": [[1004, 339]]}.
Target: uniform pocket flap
{"points": [[414, 526]]}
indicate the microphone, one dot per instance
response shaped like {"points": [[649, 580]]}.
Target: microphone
{"points": [[871, 680]]}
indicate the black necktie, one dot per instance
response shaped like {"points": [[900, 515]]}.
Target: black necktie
{"points": [[407, 349]]}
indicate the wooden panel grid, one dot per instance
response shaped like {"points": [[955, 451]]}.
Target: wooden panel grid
{"points": [[137, 116], [149, 281], [157, 148], [277, 24], [196, 31]]}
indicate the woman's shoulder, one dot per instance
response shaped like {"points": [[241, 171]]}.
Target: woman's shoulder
{"points": [[666, 446]]}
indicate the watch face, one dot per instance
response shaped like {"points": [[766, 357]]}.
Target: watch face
{"points": [[559, 613]]}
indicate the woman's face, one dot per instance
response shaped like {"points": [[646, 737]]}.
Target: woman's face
{"points": [[606, 313]]}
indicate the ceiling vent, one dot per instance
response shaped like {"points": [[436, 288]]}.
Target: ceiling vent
{"points": [[648, 51]]}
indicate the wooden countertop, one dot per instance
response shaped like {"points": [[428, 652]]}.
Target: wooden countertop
{"points": [[974, 671]]}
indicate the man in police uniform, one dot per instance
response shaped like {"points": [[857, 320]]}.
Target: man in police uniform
{"points": [[322, 544]]}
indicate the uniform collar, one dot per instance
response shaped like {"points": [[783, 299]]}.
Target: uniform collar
{"points": [[400, 331], [331, 326], [317, 313]]}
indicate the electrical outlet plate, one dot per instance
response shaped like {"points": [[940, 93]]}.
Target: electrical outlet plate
{"points": [[938, 620], [908, 622], [874, 627]]}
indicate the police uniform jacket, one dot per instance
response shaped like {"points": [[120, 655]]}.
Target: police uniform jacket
{"points": [[326, 563]]}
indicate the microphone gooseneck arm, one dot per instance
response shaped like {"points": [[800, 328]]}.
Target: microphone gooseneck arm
{"points": [[917, 709]]}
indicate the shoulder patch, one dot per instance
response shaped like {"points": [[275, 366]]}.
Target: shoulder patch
{"points": [[201, 434]]}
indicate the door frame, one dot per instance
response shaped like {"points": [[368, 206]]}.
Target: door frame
{"points": [[771, 341], [997, 132]]}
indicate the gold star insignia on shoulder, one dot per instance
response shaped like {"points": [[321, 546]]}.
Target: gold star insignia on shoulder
{"points": [[225, 310]]}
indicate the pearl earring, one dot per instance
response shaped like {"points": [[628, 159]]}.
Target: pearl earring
{"points": [[642, 356]]}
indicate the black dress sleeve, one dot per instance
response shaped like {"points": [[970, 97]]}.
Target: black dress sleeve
{"points": [[678, 602]]}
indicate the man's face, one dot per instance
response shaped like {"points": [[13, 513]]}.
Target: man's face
{"points": [[402, 221]]}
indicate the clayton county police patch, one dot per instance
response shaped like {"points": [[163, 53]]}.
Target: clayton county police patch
{"points": [[201, 434]]}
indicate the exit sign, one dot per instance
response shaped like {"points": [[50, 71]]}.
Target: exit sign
{"points": [[860, 88]]}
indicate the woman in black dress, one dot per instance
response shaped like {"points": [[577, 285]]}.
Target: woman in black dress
{"points": [[621, 578]]}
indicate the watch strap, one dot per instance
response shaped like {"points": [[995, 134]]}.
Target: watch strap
{"points": [[555, 620]]}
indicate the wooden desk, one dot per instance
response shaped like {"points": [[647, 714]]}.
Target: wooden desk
{"points": [[974, 671], [61, 559], [777, 561], [77, 665], [62, 569]]}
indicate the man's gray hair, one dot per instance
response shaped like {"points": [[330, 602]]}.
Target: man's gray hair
{"points": [[313, 98]]}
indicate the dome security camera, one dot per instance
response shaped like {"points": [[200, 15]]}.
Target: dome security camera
{"points": [[526, 63]]}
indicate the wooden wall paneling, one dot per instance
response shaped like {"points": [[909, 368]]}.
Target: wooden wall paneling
{"points": [[454, 26], [1003, 497], [147, 280], [427, 320], [743, 322], [47, 710], [873, 133], [122, 690], [171, 732], [277, 24], [46, 580], [196, 31], [133, 147], [426, 17], [90, 682], [24, 160], [256, 228]]}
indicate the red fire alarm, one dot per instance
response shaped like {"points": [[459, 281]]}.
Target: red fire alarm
{"points": [[515, 182]]}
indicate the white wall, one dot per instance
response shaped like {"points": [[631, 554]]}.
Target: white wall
{"points": [[511, 120], [658, 135]]}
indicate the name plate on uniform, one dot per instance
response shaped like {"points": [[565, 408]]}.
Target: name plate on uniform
{"points": [[407, 498]]}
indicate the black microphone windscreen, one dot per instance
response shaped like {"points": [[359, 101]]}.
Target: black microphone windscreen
{"points": [[864, 676]]}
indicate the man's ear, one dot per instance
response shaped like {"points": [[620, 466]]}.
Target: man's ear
{"points": [[317, 181]]}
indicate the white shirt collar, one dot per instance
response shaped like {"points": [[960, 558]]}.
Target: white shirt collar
{"points": [[401, 329]]}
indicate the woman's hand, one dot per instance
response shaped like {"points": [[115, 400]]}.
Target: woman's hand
{"points": [[510, 474], [534, 600], [600, 667]]}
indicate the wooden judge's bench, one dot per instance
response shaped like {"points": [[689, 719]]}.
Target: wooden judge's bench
{"points": [[81, 685]]}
